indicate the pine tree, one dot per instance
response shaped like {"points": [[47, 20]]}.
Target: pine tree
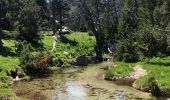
{"points": [[3, 11], [28, 22]]}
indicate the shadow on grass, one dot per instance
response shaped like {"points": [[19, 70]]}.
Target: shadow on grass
{"points": [[6, 52], [167, 64], [66, 40]]}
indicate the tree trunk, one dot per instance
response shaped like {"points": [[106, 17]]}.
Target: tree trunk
{"points": [[91, 26], [98, 48], [1, 39]]}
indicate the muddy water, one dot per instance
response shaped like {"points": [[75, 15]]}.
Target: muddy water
{"points": [[87, 85]]}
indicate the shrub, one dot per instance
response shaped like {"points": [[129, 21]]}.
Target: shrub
{"points": [[128, 51], [67, 51], [32, 62], [23, 47], [154, 41], [35, 63]]}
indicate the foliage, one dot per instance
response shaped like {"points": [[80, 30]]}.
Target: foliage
{"points": [[154, 42], [22, 47], [6, 93], [8, 64], [161, 66], [121, 70], [128, 51], [1, 34], [157, 68], [35, 64], [28, 23], [32, 62], [73, 46]]}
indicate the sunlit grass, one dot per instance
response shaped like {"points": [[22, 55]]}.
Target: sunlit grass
{"points": [[122, 69], [159, 68]]}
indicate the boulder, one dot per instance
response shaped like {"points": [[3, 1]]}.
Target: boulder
{"points": [[82, 61]]}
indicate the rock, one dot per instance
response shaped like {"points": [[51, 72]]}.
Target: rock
{"points": [[17, 79], [82, 61]]}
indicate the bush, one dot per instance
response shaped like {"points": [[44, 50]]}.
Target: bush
{"points": [[32, 62], [128, 51], [35, 63], [10, 34], [154, 41], [68, 51], [23, 47], [5, 79]]}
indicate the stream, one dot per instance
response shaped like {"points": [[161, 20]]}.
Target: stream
{"points": [[87, 84]]}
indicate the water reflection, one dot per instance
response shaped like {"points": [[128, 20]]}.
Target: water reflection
{"points": [[120, 95], [74, 91]]}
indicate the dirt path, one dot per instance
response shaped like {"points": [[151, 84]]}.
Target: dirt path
{"points": [[93, 76]]}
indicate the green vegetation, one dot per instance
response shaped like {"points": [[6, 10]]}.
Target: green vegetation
{"points": [[8, 63], [157, 68], [6, 92], [70, 47], [122, 69], [84, 45], [130, 30]]}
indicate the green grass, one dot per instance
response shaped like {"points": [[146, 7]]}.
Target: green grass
{"points": [[76, 44], [10, 44], [47, 40], [159, 68], [6, 92], [122, 69], [8, 62]]}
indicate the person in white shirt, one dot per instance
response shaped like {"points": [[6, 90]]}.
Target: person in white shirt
{"points": [[55, 38]]}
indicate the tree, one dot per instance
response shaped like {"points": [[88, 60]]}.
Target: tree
{"points": [[1, 38], [44, 14], [58, 8], [28, 22], [101, 18], [3, 10]]}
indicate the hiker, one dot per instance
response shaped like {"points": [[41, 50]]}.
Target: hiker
{"points": [[55, 38]]}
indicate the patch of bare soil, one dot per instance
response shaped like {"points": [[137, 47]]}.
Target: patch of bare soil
{"points": [[138, 72]]}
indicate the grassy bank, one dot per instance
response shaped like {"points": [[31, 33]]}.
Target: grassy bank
{"points": [[75, 44], [120, 70], [157, 68], [8, 62], [70, 46]]}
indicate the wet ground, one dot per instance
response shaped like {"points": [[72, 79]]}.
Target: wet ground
{"points": [[87, 84]]}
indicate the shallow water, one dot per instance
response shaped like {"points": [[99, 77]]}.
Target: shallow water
{"points": [[74, 91], [88, 85]]}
